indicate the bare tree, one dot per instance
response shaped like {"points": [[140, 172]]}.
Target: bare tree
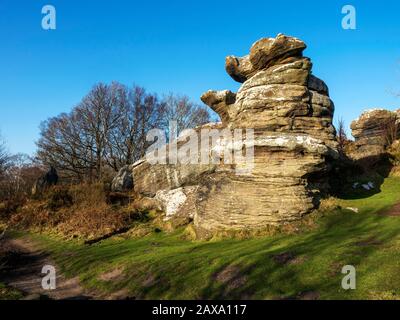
{"points": [[108, 129], [186, 113], [341, 135], [139, 113], [99, 114], [64, 145], [4, 158], [19, 177], [17, 174], [390, 129]]}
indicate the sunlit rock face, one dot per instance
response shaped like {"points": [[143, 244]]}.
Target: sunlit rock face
{"points": [[291, 113], [294, 143], [372, 132], [278, 92]]}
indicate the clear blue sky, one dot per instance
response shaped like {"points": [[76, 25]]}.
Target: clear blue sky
{"points": [[180, 46]]}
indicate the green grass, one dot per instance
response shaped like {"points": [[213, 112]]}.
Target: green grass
{"points": [[165, 266], [7, 293]]}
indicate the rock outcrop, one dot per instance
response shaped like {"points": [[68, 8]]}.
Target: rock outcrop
{"points": [[178, 204], [150, 178], [123, 181], [289, 112], [50, 178], [372, 132]]}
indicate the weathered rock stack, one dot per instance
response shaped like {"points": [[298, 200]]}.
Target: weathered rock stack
{"points": [[294, 141], [372, 132]]}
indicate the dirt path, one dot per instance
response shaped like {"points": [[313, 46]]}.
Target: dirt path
{"points": [[22, 271], [393, 211]]}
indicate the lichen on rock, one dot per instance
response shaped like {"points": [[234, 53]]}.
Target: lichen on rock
{"points": [[290, 113]]}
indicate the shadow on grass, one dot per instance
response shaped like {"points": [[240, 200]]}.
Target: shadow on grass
{"points": [[169, 268], [349, 178], [325, 253], [305, 265]]}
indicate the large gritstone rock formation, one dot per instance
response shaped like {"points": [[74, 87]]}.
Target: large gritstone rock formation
{"points": [[290, 112], [373, 131]]}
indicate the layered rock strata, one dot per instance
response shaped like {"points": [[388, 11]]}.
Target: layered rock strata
{"points": [[373, 132], [290, 113]]}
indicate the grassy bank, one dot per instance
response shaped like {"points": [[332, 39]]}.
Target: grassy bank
{"points": [[304, 265]]}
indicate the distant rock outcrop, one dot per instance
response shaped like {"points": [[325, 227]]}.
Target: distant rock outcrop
{"points": [[123, 181], [294, 143], [50, 178], [373, 131]]}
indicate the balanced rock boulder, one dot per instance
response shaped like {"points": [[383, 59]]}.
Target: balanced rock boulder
{"points": [[289, 112], [267, 52]]}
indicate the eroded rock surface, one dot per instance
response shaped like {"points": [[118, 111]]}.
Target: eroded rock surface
{"points": [[123, 181], [291, 113], [372, 132]]}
